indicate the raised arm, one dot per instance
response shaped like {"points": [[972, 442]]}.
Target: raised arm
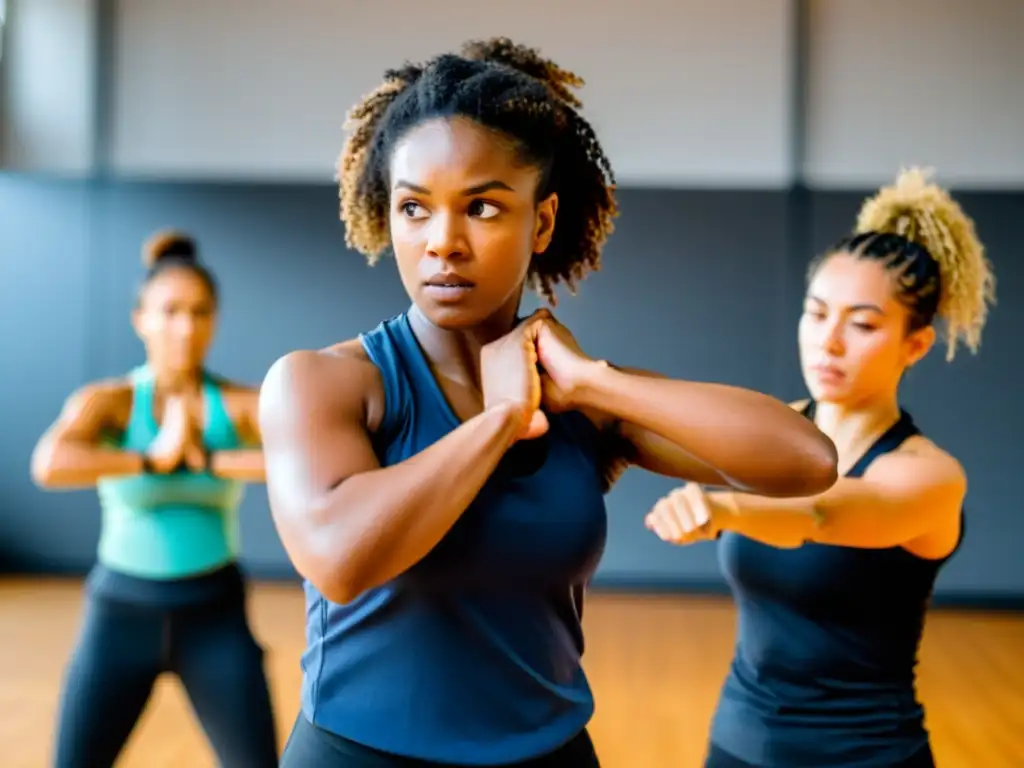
{"points": [[712, 433], [908, 497], [70, 455], [903, 496], [347, 523]]}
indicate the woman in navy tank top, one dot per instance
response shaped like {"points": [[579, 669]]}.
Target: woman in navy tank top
{"points": [[832, 589], [442, 498]]}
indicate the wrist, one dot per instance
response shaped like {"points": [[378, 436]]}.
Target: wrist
{"points": [[725, 511], [589, 383], [147, 465], [510, 412]]}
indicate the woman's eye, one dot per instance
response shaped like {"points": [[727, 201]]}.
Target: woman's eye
{"points": [[483, 210], [412, 210]]}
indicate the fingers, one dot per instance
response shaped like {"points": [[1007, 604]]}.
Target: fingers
{"points": [[682, 517], [697, 503], [656, 521], [531, 327], [669, 521], [194, 458], [538, 426]]}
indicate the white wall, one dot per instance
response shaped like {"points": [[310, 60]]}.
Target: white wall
{"points": [[690, 92], [928, 82], [693, 93], [49, 87]]}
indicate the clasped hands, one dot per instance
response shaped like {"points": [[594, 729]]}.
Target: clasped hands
{"points": [[538, 363], [179, 444]]}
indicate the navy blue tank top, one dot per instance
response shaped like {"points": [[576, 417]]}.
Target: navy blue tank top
{"points": [[472, 656], [824, 668]]}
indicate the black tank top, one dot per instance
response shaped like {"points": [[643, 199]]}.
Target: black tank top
{"points": [[824, 668]]}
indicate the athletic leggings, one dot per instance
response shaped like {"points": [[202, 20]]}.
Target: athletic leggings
{"points": [[121, 650], [719, 758], [312, 747]]}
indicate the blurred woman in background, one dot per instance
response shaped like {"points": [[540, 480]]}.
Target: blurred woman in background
{"points": [[169, 448]]}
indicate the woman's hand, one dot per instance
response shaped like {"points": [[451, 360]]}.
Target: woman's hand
{"points": [[167, 451], [566, 367], [508, 372], [687, 515]]}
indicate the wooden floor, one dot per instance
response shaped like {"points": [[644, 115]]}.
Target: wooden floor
{"points": [[656, 664]]}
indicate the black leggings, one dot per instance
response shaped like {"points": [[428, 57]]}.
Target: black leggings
{"points": [[121, 650], [313, 747], [719, 758]]}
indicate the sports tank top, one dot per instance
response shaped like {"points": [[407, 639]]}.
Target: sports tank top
{"points": [[472, 656], [176, 525], [824, 668]]}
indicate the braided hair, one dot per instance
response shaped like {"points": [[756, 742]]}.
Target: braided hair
{"points": [[508, 88]]}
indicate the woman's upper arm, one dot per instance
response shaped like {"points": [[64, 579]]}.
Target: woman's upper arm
{"points": [[904, 496], [627, 443], [91, 411], [312, 416]]}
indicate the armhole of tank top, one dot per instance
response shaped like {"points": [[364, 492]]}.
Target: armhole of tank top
{"points": [[136, 415], [396, 401], [216, 409]]}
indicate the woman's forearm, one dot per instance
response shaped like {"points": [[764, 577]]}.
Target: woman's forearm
{"points": [[781, 523], [378, 524], [67, 464], [755, 441], [245, 465]]}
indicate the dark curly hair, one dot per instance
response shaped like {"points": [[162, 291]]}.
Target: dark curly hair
{"points": [[511, 89]]}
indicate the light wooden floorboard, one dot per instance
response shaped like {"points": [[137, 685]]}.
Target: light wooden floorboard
{"points": [[656, 664]]}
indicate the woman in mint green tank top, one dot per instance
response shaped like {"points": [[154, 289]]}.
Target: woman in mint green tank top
{"points": [[169, 448]]}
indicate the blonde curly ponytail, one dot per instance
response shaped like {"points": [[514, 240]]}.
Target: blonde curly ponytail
{"points": [[920, 211]]}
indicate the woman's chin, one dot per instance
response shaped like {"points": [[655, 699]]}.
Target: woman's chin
{"points": [[828, 393]]}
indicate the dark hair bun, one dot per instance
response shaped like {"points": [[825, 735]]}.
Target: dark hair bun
{"points": [[169, 244]]}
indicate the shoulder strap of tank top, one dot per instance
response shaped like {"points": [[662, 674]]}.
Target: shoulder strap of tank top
{"points": [[217, 419], [141, 414], [383, 345], [890, 440]]}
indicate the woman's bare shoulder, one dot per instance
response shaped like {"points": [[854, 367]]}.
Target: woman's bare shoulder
{"points": [[340, 376]]}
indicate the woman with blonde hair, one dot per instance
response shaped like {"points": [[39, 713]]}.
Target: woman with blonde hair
{"points": [[832, 589]]}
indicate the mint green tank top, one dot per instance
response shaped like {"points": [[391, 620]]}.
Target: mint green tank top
{"points": [[172, 526]]}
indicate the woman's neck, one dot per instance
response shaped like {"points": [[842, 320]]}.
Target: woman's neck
{"points": [[854, 429], [455, 353], [169, 380]]}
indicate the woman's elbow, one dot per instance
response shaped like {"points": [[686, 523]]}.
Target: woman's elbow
{"points": [[42, 467], [321, 561], [823, 472], [817, 467], [807, 469], [333, 586], [328, 576]]}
